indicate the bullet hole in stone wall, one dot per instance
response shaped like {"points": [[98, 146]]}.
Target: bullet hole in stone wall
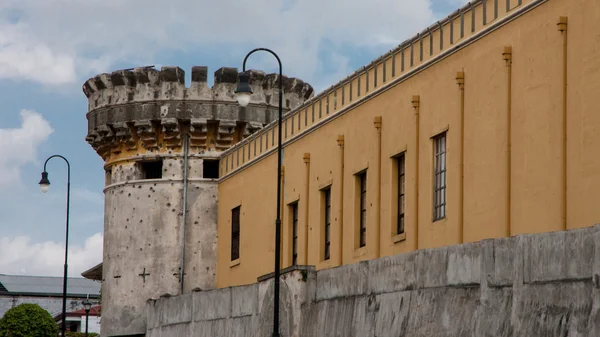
{"points": [[168, 204], [129, 195], [195, 222]]}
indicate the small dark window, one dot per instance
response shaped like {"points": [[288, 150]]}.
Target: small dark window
{"points": [[294, 233], [363, 209], [210, 168], [235, 233], [151, 169], [327, 222], [401, 192]]}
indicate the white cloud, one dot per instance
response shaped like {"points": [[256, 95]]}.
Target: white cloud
{"points": [[19, 256], [61, 41], [18, 146]]}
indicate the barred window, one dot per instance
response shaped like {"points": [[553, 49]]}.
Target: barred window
{"points": [[401, 191], [235, 233], [294, 212], [439, 187], [327, 222], [363, 209]]}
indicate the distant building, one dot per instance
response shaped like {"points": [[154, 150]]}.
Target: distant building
{"points": [[46, 291], [76, 320]]}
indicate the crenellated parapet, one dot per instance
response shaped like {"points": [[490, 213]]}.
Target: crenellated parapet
{"points": [[148, 110]]}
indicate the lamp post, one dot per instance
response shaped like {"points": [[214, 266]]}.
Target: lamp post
{"points": [[243, 94], [87, 305], [44, 186]]}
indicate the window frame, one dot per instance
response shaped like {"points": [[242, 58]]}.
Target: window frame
{"points": [[235, 235], [440, 156], [400, 193], [326, 197], [362, 208], [294, 220]]}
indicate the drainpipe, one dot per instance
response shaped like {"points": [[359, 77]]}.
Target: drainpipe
{"points": [[184, 207]]}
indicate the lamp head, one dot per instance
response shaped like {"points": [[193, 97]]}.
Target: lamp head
{"points": [[44, 183], [243, 92], [87, 305]]}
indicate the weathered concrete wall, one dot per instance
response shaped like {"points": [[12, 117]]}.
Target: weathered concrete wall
{"points": [[529, 285]]}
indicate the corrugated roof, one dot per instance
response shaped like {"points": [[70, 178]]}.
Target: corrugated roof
{"points": [[47, 285]]}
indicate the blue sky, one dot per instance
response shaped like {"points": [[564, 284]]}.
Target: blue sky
{"points": [[48, 48]]}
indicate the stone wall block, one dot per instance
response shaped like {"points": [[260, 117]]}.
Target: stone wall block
{"points": [[445, 311], [212, 304], [498, 261], [176, 309], [393, 273], [244, 300], [349, 280], [153, 314], [559, 256], [431, 267], [391, 317], [464, 264]]}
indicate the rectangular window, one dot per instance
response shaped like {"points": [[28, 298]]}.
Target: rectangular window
{"points": [[235, 233], [362, 177], [439, 185], [327, 222], [294, 213], [401, 192], [151, 169], [210, 168]]}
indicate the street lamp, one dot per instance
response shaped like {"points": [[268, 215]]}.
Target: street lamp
{"points": [[44, 186], [243, 93], [87, 305]]}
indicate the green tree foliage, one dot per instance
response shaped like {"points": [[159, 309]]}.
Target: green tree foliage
{"points": [[28, 320]]}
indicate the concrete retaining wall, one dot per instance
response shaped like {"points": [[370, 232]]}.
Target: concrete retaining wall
{"points": [[530, 285]]}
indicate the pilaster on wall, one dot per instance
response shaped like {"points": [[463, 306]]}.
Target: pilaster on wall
{"points": [[306, 159], [562, 27], [460, 80], [340, 143], [416, 103], [377, 121], [507, 56]]}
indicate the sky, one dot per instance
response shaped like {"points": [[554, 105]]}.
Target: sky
{"points": [[49, 48]]}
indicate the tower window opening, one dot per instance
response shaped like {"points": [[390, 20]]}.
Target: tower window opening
{"points": [[151, 169], [210, 169], [108, 176]]}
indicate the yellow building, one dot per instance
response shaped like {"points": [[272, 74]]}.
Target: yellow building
{"points": [[485, 125]]}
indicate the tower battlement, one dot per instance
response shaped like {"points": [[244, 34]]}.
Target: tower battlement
{"points": [[145, 108]]}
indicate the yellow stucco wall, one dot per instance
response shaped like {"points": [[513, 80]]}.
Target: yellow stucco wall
{"points": [[537, 140]]}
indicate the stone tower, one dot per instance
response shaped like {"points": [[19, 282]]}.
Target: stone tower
{"points": [[146, 124]]}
